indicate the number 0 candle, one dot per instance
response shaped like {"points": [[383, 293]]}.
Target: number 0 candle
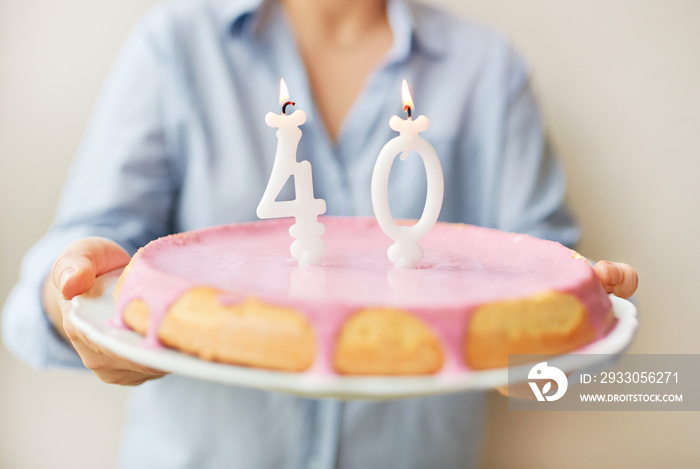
{"points": [[406, 252], [308, 248]]}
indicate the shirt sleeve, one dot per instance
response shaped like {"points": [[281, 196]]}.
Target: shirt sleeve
{"points": [[120, 187], [533, 184]]}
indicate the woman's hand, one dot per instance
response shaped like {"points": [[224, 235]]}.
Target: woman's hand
{"points": [[616, 277], [74, 273]]}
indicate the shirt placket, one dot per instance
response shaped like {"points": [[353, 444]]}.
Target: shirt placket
{"points": [[324, 435], [331, 164]]}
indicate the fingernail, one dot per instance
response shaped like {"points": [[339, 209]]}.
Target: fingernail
{"points": [[65, 275]]}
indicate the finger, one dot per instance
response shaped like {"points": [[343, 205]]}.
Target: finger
{"points": [[123, 364], [75, 270], [99, 359], [125, 377], [617, 278]]}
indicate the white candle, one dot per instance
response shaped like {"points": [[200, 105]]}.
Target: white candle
{"points": [[308, 248], [406, 252]]}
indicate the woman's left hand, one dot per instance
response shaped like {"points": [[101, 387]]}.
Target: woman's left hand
{"points": [[616, 277]]}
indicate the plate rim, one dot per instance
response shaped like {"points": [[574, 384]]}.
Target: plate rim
{"points": [[120, 342]]}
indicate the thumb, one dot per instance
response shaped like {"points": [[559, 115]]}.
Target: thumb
{"points": [[75, 270], [617, 277]]}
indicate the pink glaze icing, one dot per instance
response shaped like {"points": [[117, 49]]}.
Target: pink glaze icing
{"points": [[464, 267]]}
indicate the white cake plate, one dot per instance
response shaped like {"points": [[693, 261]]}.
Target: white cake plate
{"points": [[91, 312]]}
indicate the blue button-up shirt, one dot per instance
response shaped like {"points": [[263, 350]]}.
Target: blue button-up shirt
{"points": [[178, 142]]}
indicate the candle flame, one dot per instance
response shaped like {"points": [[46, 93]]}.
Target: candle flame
{"points": [[284, 92], [406, 95]]}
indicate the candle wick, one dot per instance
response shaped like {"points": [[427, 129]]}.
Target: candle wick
{"points": [[407, 108], [284, 106]]}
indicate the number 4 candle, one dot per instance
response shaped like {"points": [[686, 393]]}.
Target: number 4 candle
{"points": [[406, 252], [308, 248]]}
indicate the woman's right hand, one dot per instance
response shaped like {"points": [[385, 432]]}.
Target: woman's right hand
{"points": [[74, 273]]}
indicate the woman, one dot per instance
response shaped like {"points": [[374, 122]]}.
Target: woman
{"points": [[178, 142]]}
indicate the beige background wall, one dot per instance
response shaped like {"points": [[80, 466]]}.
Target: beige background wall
{"points": [[619, 82]]}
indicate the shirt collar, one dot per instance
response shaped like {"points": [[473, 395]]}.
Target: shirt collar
{"points": [[411, 30], [234, 12]]}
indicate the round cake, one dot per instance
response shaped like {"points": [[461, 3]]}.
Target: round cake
{"points": [[234, 294]]}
